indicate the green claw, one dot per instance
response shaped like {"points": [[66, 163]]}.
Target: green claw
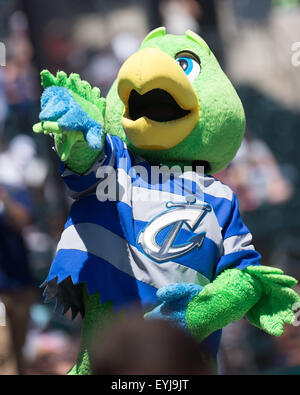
{"points": [[51, 127], [48, 79], [47, 128], [69, 139], [38, 128]]}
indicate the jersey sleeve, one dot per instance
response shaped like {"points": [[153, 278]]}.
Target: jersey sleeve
{"points": [[238, 250], [79, 185]]}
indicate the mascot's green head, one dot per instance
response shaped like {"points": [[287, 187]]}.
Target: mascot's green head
{"points": [[173, 104]]}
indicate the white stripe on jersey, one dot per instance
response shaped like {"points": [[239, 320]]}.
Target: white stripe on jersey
{"points": [[115, 250], [238, 243]]}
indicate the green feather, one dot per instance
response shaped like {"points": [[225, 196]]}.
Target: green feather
{"points": [[73, 83]]}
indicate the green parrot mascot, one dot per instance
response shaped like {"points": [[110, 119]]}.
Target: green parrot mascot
{"points": [[149, 223]]}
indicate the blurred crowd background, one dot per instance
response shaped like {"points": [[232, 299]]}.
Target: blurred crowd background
{"points": [[253, 41]]}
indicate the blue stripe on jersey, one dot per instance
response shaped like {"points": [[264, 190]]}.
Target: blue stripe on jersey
{"points": [[227, 213], [112, 284], [202, 259], [234, 225], [87, 182], [106, 214], [237, 260]]}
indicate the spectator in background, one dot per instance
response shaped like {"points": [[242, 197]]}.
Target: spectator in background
{"points": [[20, 80], [103, 67], [20, 75], [3, 102], [255, 176], [102, 70], [16, 284], [181, 15], [132, 345]]}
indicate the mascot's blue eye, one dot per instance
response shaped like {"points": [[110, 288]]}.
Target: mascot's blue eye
{"points": [[189, 66]]}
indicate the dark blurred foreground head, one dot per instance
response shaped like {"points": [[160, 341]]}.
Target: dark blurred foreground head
{"points": [[133, 345]]}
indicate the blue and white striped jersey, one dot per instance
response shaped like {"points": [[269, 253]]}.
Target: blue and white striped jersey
{"points": [[159, 230]]}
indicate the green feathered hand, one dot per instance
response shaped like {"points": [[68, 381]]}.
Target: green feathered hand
{"points": [[261, 293], [276, 305], [74, 113]]}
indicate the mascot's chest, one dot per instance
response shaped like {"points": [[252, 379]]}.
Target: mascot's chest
{"points": [[156, 221]]}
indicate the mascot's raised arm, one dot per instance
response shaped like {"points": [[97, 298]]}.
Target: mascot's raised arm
{"points": [[145, 226]]}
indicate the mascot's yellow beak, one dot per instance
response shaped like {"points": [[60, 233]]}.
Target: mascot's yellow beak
{"points": [[161, 105]]}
